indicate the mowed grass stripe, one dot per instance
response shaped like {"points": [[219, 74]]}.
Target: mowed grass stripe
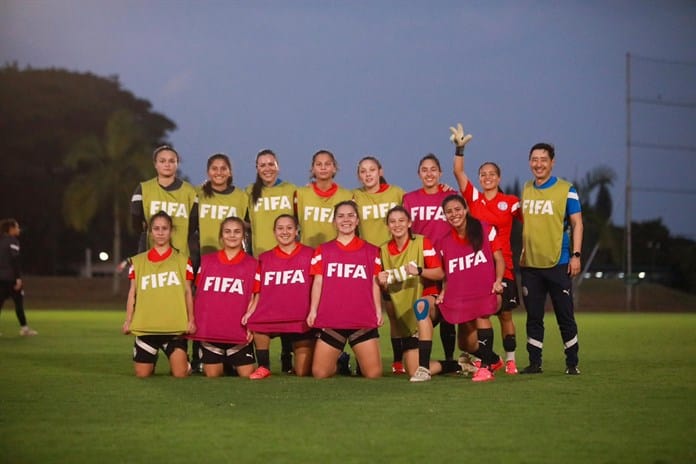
{"points": [[69, 395]]}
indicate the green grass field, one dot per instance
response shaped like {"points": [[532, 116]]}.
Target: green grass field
{"points": [[68, 395]]}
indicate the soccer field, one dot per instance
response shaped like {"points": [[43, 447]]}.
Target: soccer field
{"points": [[68, 395]]}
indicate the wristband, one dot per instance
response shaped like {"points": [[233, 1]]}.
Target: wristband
{"points": [[459, 151], [420, 270]]}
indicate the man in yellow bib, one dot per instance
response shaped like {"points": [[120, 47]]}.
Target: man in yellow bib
{"points": [[550, 256]]}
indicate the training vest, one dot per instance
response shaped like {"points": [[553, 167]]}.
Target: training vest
{"points": [[274, 201], [215, 209], [160, 302], [373, 209], [470, 276], [315, 214], [347, 301], [544, 216], [222, 297], [177, 203], [405, 289], [426, 213], [285, 290]]}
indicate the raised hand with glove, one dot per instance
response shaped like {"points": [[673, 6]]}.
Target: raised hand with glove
{"points": [[459, 138]]}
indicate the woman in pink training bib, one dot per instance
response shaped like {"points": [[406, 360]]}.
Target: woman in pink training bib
{"points": [[474, 266], [281, 299], [225, 284], [346, 299]]}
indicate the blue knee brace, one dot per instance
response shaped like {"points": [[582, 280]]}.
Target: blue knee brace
{"points": [[421, 315]]}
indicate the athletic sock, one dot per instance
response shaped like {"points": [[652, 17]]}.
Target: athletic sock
{"points": [[485, 352], [425, 347], [448, 337], [263, 357], [397, 348], [510, 344]]}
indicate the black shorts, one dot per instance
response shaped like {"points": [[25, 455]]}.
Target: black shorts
{"points": [[227, 353], [294, 337], [146, 347], [338, 337], [510, 296]]}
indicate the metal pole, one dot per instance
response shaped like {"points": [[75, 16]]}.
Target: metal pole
{"points": [[629, 216]]}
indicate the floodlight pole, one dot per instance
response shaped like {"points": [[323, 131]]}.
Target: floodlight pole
{"points": [[628, 276]]}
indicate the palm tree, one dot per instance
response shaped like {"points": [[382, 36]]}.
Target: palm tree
{"points": [[106, 168]]}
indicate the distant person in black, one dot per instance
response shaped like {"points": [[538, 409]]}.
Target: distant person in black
{"points": [[10, 273]]}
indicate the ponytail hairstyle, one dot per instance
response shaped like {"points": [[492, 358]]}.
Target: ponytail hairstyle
{"points": [[382, 180], [207, 185], [474, 229], [258, 183], [314, 158], [400, 209]]}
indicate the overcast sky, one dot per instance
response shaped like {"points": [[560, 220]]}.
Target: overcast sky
{"points": [[387, 78]]}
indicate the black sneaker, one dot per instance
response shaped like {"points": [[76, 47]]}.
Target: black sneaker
{"points": [[572, 370], [532, 369], [343, 364]]}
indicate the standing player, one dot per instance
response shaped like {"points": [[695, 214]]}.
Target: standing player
{"points": [[11, 285], [225, 282], [474, 268], [281, 304], [315, 203], [408, 260], [161, 284], [269, 197], [346, 299], [425, 208], [167, 193], [550, 205], [375, 198], [218, 199], [499, 210]]}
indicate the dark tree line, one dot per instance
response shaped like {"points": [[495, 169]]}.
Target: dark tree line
{"points": [[46, 113]]}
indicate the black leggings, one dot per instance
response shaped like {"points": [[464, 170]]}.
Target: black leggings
{"points": [[7, 291]]}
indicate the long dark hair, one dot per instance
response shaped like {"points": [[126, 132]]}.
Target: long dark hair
{"points": [[474, 229], [208, 186], [258, 183]]}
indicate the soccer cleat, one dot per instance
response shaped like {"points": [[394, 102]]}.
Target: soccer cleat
{"points": [[261, 372], [421, 375], [196, 367], [483, 375], [496, 366], [572, 370], [27, 331], [467, 364], [510, 367], [532, 369], [343, 364], [398, 368]]}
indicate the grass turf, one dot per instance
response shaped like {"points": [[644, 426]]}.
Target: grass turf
{"points": [[69, 395]]}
